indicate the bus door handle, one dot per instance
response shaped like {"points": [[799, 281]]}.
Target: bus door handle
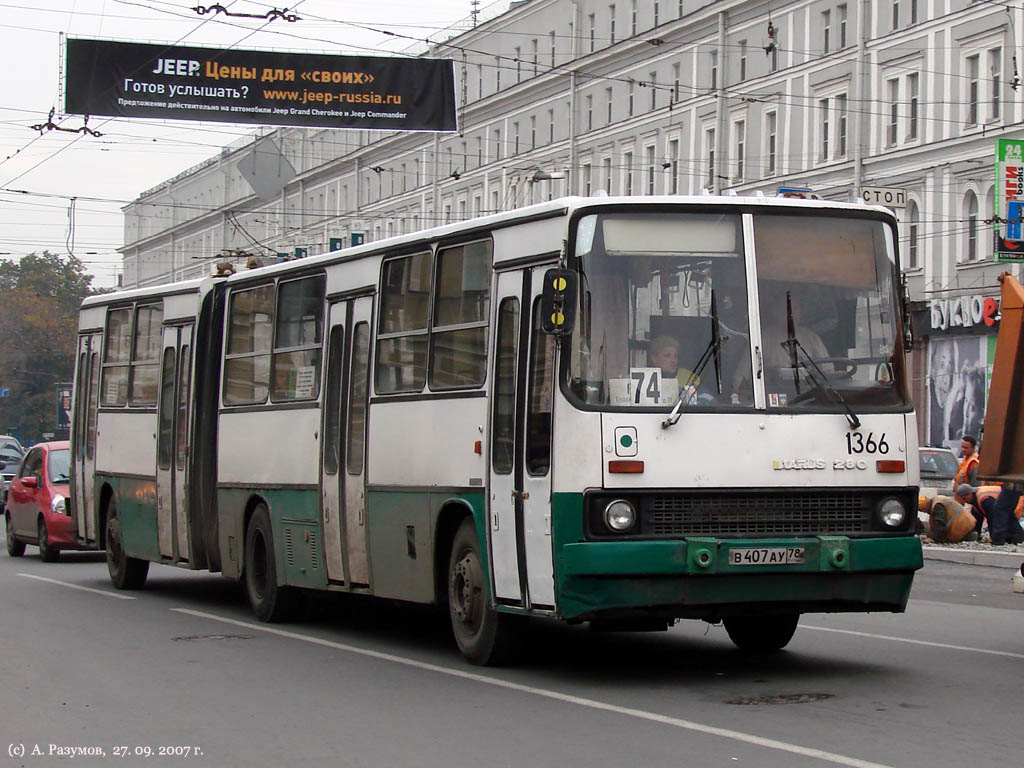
{"points": [[522, 495]]}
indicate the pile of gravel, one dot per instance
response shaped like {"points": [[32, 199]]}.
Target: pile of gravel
{"points": [[977, 546]]}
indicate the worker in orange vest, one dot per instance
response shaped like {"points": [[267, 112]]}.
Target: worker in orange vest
{"points": [[967, 472], [994, 503]]}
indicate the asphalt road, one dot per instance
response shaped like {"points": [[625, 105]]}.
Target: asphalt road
{"points": [[181, 667]]}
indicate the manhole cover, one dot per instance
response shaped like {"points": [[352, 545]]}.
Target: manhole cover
{"points": [[211, 637], [781, 698]]}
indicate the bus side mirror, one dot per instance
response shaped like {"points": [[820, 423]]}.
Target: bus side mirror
{"points": [[558, 302]]}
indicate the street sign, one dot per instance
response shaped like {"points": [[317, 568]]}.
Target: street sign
{"points": [[337, 243], [64, 406], [357, 238], [5, 392], [893, 197]]}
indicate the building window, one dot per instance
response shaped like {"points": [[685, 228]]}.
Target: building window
{"points": [[551, 126], [607, 174], [673, 167], [771, 142], [891, 134], [519, 64], [653, 85], [479, 81], [740, 134], [590, 112], [823, 129], [841, 119], [534, 52], [497, 73], [650, 168], [913, 11], [608, 95], [632, 19], [656, 21], [775, 53], [592, 22], [826, 31], [971, 214], [533, 131], [895, 14], [551, 35], [676, 69], [841, 13], [995, 68], [515, 138], [743, 60], [587, 179], [913, 236], [709, 152], [973, 87], [627, 161], [630, 92], [611, 24], [714, 70], [498, 153], [913, 102]]}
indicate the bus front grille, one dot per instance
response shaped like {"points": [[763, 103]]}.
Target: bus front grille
{"points": [[771, 514]]}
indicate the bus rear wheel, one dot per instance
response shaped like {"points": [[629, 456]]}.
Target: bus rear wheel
{"points": [[125, 572], [761, 633], [269, 600], [483, 635]]}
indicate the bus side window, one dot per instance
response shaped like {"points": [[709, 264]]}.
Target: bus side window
{"points": [[146, 343]]}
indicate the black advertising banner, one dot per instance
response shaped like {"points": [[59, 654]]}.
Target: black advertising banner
{"points": [[232, 86]]}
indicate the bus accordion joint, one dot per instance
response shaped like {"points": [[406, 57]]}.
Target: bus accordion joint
{"points": [[626, 466], [891, 465]]}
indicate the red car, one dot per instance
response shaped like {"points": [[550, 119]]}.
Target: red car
{"points": [[38, 503]]}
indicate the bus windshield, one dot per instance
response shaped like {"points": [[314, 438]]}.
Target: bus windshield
{"points": [[667, 312]]}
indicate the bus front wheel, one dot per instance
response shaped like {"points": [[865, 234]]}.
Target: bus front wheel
{"points": [[484, 636], [269, 600], [125, 572], [761, 633]]}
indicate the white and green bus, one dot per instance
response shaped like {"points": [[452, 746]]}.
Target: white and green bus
{"points": [[625, 411]]}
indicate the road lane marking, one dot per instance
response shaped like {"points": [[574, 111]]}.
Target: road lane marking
{"points": [[104, 592], [654, 717], [894, 639]]}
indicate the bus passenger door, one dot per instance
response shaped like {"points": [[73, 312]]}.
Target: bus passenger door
{"points": [[86, 397], [172, 443], [535, 451], [354, 474], [330, 445], [519, 510], [343, 495], [504, 474]]}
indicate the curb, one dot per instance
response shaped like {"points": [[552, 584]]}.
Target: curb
{"points": [[1011, 560]]}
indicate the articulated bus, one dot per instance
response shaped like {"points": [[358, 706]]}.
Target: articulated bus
{"points": [[623, 411]]}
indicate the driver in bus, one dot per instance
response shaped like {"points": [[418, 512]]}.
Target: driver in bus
{"points": [[663, 353]]}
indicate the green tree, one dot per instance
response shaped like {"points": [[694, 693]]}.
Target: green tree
{"points": [[39, 300]]}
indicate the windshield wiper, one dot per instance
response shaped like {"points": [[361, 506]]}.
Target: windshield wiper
{"points": [[713, 351], [795, 349]]}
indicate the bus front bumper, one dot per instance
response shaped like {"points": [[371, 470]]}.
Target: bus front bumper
{"points": [[702, 578]]}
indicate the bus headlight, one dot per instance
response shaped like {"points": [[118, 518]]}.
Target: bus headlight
{"points": [[892, 513], [58, 505], [619, 515]]}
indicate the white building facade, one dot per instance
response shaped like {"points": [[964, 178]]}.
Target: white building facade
{"points": [[643, 97]]}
